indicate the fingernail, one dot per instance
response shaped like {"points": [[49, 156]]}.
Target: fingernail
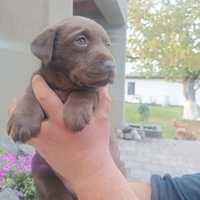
{"points": [[35, 78]]}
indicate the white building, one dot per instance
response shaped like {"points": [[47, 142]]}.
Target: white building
{"points": [[154, 90]]}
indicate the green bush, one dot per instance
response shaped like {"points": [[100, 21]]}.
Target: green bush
{"points": [[15, 173], [22, 184], [2, 151], [144, 112]]}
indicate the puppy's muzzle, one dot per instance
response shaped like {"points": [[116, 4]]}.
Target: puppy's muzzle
{"points": [[108, 66], [108, 70]]}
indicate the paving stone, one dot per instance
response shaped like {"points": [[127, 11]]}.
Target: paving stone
{"points": [[159, 156], [25, 149], [15, 148], [8, 194], [8, 145]]}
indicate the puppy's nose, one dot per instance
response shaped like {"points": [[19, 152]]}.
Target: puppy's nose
{"points": [[109, 65]]}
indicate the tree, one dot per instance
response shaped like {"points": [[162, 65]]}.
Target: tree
{"points": [[165, 36]]}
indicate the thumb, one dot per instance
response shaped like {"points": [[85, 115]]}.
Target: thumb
{"points": [[104, 105]]}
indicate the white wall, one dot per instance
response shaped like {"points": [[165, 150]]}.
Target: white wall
{"points": [[15, 73], [157, 91], [20, 21]]}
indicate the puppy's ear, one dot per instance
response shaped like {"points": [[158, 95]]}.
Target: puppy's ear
{"points": [[42, 46]]}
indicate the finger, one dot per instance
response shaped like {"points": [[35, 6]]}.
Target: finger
{"points": [[104, 105], [49, 101]]}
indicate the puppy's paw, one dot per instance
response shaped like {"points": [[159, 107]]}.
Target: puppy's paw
{"points": [[22, 128], [76, 118]]}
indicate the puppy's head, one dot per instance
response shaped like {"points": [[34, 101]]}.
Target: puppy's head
{"points": [[79, 48]]}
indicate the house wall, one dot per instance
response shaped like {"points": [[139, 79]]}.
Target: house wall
{"points": [[112, 16], [157, 91], [118, 37]]}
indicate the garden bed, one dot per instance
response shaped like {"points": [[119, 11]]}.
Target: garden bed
{"points": [[159, 115], [187, 129]]}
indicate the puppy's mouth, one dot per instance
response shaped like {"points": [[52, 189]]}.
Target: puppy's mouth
{"points": [[94, 79], [100, 79]]}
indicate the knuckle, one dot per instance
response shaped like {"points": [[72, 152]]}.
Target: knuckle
{"points": [[42, 97]]}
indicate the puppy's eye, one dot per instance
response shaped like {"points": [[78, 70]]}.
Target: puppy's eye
{"points": [[81, 41], [108, 44]]}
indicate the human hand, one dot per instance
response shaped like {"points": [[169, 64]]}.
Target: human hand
{"points": [[74, 156], [82, 159]]}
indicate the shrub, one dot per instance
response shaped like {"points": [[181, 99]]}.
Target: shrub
{"points": [[144, 112], [2, 151], [22, 184], [15, 174]]}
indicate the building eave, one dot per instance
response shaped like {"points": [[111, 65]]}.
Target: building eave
{"points": [[143, 77], [114, 11]]}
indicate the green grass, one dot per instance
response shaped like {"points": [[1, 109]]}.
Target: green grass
{"points": [[159, 115]]}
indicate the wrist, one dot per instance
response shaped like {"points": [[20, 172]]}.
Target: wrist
{"points": [[106, 183]]}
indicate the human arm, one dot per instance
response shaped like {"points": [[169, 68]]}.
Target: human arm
{"points": [[83, 159], [185, 187]]}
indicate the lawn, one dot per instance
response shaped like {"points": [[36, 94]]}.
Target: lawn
{"points": [[159, 115]]}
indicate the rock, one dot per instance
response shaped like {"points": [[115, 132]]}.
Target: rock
{"points": [[119, 133], [128, 136], [145, 131], [8, 194], [8, 145], [24, 149], [136, 136], [127, 129], [131, 133]]}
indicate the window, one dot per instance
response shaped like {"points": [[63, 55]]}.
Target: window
{"points": [[131, 88]]}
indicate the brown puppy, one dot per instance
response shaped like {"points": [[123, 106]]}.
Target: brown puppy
{"points": [[76, 60]]}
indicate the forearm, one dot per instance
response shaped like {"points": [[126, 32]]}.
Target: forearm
{"points": [[107, 184], [141, 189]]}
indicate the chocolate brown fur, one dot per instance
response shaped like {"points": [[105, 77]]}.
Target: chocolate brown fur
{"points": [[76, 61]]}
